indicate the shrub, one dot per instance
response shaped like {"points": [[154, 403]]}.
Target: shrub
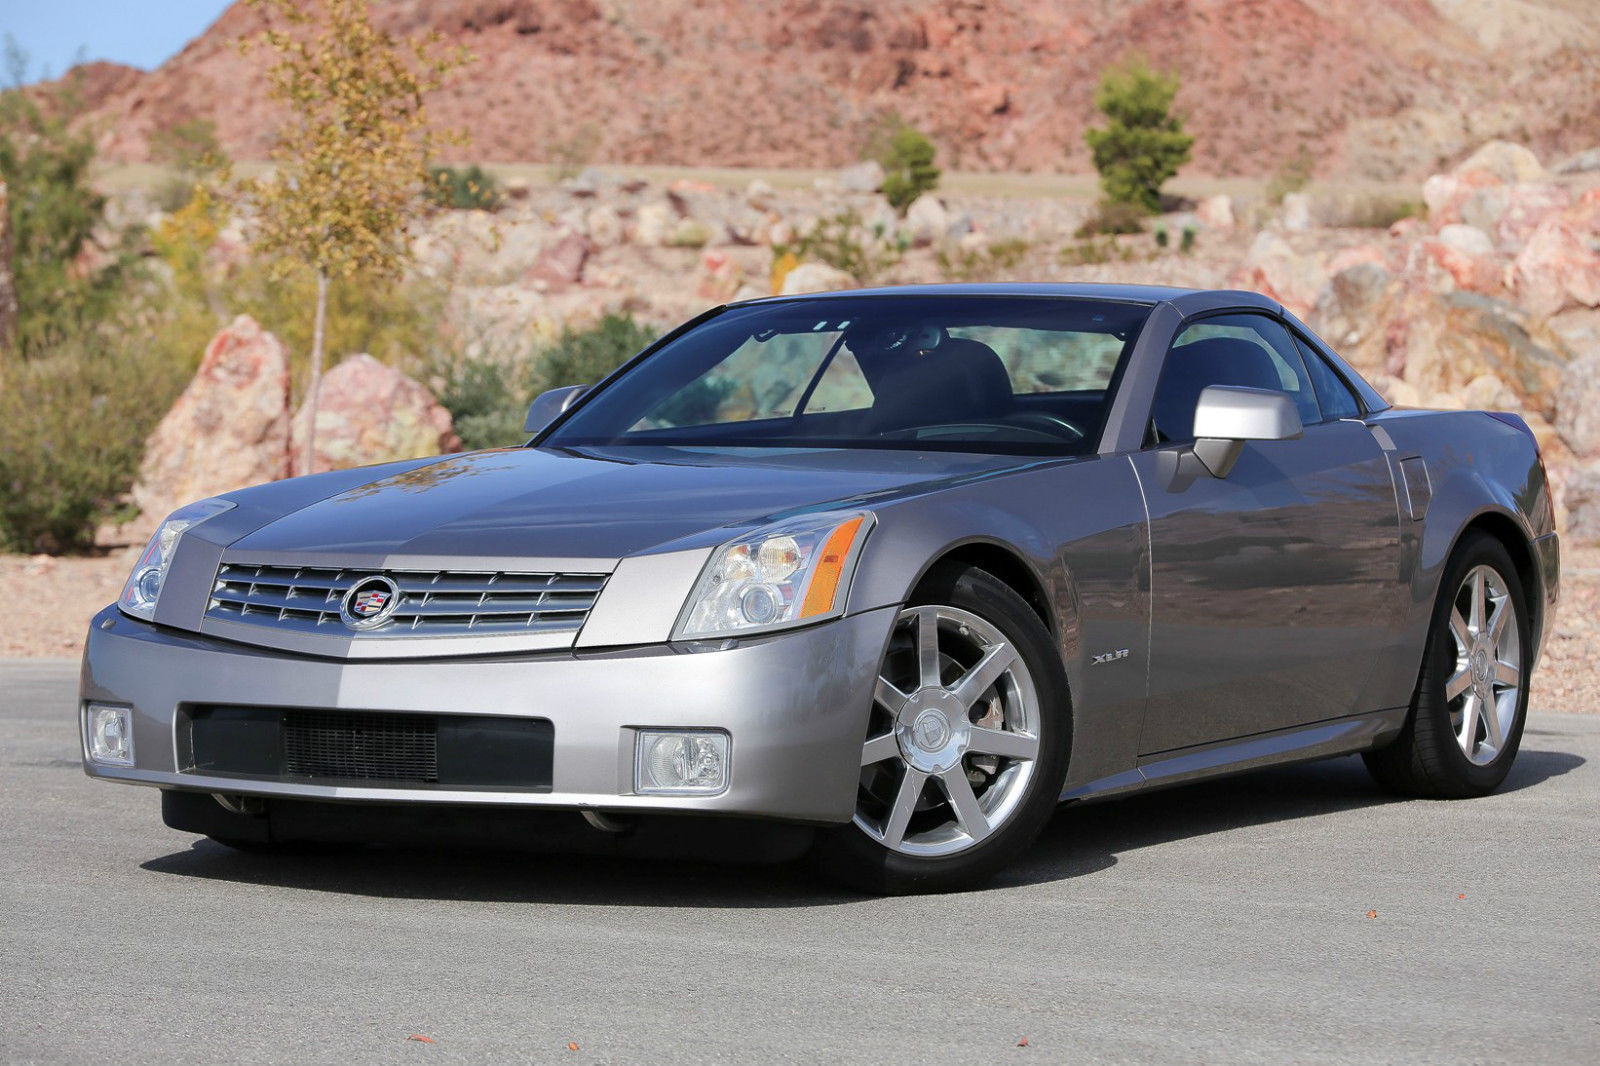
{"points": [[72, 433], [1292, 176], [190, 151], [908, 169], [1186, 245], [463, 188], [1143, 143], [45, 166], [1112, 218], [983, 263], [1161, 236], [1374, 211], [841, 241], [488, 396]]}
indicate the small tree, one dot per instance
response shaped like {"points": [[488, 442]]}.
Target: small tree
{"points": [[908, 170], [351, 162], [1143, 143]]}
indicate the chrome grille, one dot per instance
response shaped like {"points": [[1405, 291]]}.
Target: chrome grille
{"points": [[432, 603]]}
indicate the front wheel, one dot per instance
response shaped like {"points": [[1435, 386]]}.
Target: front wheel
{"points": [[1472, 696], [967, 745]]}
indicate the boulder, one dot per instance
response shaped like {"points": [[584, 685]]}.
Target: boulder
{"points": [[1582, 163], [560, 266], [229, 429], [1441, 343], [604, 225], [1526, 209], [371, 413], [1274, 269], [865, 177], [759, 195], [1216, 212], [652, 224], [718, 277], [1350, 309], [927, 220], [1467, 254], [1557, 269], [518, 189], [1581, 496], [815, 277], [1446, 194], [1295, 213], [1578, 406], [1506, 161]]}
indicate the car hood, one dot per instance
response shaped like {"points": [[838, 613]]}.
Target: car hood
{"points": [[593, 504]]}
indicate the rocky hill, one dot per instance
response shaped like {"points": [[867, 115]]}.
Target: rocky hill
{"points": [[1372, 88]]}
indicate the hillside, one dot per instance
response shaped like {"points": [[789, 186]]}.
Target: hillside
{"points": [[1373, 88]]}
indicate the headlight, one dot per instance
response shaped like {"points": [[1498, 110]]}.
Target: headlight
{"points": [[784, 575], [143, 589]]}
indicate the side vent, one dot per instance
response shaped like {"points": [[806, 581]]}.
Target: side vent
{"points": [[1418, 488]]}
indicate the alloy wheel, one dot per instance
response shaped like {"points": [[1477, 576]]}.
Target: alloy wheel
{"points": [[954, 738], [1483, 690]]}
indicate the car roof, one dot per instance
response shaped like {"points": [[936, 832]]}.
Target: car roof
{"points": [[1188, 301]]}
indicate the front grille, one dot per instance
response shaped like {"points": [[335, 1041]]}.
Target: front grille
{"points": [[370, 747], [431, 603]]}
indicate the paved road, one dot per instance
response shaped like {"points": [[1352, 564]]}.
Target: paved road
{"points": [[1222, 922]]}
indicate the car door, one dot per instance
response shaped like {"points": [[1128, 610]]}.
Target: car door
{"points": [[1272, 589]]}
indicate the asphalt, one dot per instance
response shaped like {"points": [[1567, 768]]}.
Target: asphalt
{"points": [[1230, 922]]}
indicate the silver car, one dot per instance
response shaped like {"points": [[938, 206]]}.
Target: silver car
{"points": [[885, 576]]}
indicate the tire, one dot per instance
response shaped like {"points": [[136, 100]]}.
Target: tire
{"points": [[1471, 701], [956, 779]]}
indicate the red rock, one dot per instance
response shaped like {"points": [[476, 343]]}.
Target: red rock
{"points": [[371, 413], [1557, 268], [560, 266], [229, 429], [718, 277], [1527, 206], [654, 82]]}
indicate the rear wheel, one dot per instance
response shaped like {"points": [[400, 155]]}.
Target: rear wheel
{"points": [[967, 746], [1472, 696]]}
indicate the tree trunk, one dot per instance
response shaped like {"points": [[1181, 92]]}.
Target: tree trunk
{"points": [[316, 373], [8, 285]]}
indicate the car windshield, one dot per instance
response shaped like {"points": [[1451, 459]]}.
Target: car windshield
{"points": [[995, 374]]}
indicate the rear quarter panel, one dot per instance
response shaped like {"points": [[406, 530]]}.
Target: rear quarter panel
{"points": [[1476, 465]]}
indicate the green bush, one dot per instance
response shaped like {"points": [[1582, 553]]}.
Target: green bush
{"points": [[463, 188], [843, 241], [488, 396], [45, 165], [72, 433], [1112, 218], [1143, 143], [908, 169]]}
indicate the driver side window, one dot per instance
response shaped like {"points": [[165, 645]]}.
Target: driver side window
{"points": [[1245, 350]]}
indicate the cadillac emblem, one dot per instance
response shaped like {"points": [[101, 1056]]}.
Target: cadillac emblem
{"points": [[370, 602]]}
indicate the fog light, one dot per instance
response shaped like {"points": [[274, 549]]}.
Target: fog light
{"points": [[110, 732], [680, 762]]}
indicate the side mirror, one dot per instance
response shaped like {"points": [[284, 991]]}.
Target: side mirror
{"points": [[547, 406], [1225, 417]]}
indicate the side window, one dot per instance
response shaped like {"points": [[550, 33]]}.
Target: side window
{"points": [[1335, 396], [1249, 351]]}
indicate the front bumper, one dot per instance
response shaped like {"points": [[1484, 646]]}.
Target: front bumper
{"points": [[794, 704]]}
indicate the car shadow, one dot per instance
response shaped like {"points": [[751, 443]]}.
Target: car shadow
{"points": [[1081, 840]]}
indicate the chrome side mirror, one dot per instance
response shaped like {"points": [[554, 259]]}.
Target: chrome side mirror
{"points": [[548, 406], [1225, 417]]}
